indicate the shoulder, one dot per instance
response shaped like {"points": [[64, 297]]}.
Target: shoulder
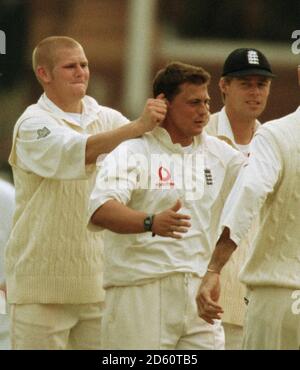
{"points": [[281, 124], [137, 145], [132, 146], [34, 116], [212, 126], [104, 112], [127, 150], [33, 110], [214, 143], [220, 149], [31, 120]]}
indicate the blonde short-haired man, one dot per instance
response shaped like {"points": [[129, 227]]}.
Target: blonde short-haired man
{"points": [[53, 263]]}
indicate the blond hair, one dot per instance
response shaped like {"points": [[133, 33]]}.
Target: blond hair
{"points": [[45, 53]]}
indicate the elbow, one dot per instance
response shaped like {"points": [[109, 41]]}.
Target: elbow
{"points": [[89, 153], [96, 218], [89, 159]]}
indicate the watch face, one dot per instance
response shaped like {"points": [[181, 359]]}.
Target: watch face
{"points": [[147, 223]]}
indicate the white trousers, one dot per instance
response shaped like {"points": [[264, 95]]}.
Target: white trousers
{"points": [[56, 326], [272, 319], [158, 315], [233, 336], [4, 332]]}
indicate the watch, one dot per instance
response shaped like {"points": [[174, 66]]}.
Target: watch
{"points": [[148, 221]]}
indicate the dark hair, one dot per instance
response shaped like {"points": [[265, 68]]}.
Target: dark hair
{"points": [[169, 79]]}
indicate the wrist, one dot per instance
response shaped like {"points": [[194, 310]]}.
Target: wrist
{"points": [[138, 127], [213, 271], [148, 223]]}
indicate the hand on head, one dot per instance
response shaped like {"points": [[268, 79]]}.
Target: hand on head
{"points": [[154, 113]]}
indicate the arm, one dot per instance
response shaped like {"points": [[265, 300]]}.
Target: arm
{"points": [[256, 180], [58, 152], [209, 291], [121, 219], [153, 114]]}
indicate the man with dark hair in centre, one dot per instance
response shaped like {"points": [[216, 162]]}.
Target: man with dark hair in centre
{"points": [[159, 198]]}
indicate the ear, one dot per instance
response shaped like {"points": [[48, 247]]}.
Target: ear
{"points": [[43, 74], [222, 85]]}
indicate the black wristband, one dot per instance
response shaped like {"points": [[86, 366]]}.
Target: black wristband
{"points": [[153, 234], [148, 221]]}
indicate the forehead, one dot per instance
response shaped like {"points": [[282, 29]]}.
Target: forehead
{"points": [[252, 78], [63, 55]]}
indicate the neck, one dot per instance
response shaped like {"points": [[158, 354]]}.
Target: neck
{"points": [[242, 128], [176, 137], [66, 106]]}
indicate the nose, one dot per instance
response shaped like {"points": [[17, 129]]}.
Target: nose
{"points": [[203, 108], [79, 70], [255, 90]]}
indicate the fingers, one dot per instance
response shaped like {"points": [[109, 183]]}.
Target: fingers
{"points": [[211, 310], [161, 96], [173, 235], [159, 104], [180, 216], [179, 226], [158, 117], [207, 319], [208, 310], [179, 229], [156, 110]]}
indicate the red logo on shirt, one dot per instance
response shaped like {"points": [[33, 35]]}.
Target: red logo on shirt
{"points": [[164, 174], [164, 177]]}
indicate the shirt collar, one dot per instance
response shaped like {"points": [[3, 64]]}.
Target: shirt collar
{"points": [[164, 138], [224, 127], [88, 116]]}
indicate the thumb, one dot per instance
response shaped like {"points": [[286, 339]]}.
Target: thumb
{"points": [[177, 206]]}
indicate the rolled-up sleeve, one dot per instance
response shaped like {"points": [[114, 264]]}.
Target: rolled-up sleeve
{"points": [[256, 180], [50, 150], [117, 178]]}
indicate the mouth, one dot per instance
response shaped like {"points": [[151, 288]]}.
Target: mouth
{"points": [[200, 122], [78, 83], [253, 103]]}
